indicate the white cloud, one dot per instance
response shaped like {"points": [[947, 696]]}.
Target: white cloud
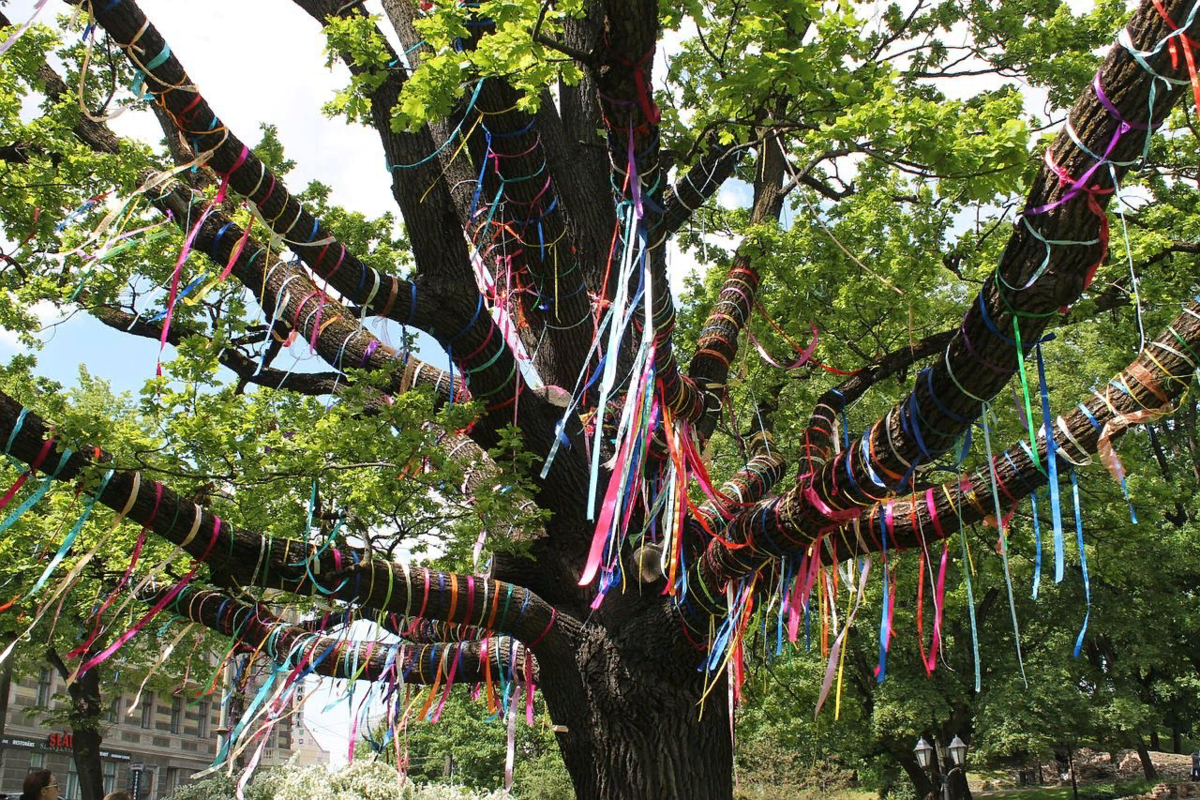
{"points": [[44, 311], [735, 194], [263, 61]]}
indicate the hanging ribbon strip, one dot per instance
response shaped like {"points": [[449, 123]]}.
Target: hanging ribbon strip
{"points": [[174, 294], [1051, 469], [803, 355], [1002, 527], [1087, 586], [13, 37], [835, 652]]}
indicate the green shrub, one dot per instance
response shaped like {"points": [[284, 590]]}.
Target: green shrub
{"points": [[362, 780]]}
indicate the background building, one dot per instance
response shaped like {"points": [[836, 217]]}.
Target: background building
{"points": [[308, 751], [305, 746], [161, 744]]}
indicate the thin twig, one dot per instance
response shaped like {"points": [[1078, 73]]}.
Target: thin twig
{"points": [[842, 247]]}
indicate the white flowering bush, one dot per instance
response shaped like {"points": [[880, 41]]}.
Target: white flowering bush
{"points": [[362, 780]]}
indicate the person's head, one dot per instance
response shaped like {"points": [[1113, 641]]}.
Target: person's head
{"points": [[119, 794], [40, 785]]}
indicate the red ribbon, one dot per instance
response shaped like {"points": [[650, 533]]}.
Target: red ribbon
{"points": [[37, 462]]}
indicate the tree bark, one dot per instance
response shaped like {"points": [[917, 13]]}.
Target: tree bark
{"points": [[957, 787], [922, 784], [5, 687], [639, 730], [1147, 765], [86, 709]]}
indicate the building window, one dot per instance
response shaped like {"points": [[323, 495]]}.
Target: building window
{"points": [[110, 776], [176, 714], [172, 779], [203, 720], [114, 709], [43, 689], [72, 787], [148, 712], [37, 760]]}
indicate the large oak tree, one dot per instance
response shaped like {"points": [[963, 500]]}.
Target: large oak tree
{"points": [[541, 185]]}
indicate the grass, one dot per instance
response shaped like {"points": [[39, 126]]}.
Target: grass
{"points": [[762, 792]]}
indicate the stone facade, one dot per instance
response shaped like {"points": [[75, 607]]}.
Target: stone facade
{"points": [[1166, 791], [307, 750], [157, 746]]}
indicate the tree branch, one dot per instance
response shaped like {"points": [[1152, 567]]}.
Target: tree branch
{"points": [[257, 630], [1146, 389], [695, 188], [718, 343], [307, 383], [432, 191], [251, 559], [980, 359], [289, 297], [231, 159]]}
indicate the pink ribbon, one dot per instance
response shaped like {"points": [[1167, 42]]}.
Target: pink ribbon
{"points": [[804, 355], [1104, 447], [174, 295], [237, 251], [241, 159]]}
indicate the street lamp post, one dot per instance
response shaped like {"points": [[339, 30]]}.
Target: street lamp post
{"points": [[924, 752]]}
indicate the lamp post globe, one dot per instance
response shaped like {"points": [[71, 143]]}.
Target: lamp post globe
{"points": [[958, 751], [924, 753]]}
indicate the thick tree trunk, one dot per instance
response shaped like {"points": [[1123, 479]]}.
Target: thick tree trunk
{"points": [[922, 784], [631, 702], [653, 743], [1155, 744], [86, 749], [5, 686], [1147, 764], [85, 727], [957, 787]]}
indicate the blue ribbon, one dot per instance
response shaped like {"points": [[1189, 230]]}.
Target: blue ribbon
{"points": [[32, 500], [1051, 468], [70, 540], [1087, 588]]}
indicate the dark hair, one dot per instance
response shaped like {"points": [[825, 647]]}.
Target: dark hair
{"points": [[119, 794], [34, 783]]}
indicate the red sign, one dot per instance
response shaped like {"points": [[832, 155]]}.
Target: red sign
{"points": [[61, 740]]}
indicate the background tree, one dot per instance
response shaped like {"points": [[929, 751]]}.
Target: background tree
{"points": [[566, 429], [467, 748], [61, 625]]}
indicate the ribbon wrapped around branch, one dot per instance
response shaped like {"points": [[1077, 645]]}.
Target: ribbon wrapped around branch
{"points": [[1116, 425]]}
